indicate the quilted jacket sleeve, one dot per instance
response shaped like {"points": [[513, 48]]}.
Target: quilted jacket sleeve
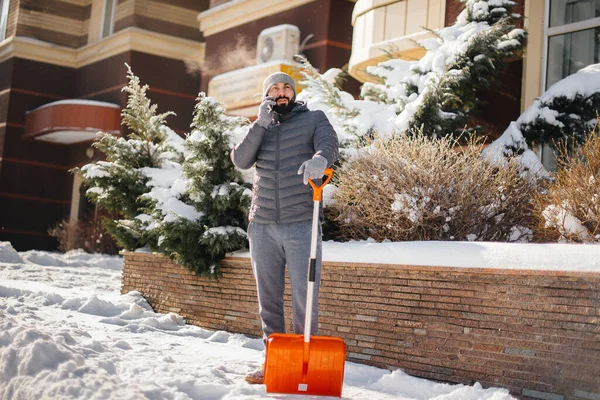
{"points": [[244, 153], [325, 139]]}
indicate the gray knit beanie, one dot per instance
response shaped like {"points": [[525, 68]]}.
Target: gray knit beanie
{"points": [[278, 77]]}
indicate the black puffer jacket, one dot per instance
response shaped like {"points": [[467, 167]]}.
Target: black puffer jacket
{"points": [[279, 195]]}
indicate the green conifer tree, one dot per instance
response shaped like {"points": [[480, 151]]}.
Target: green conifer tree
{"points": [[330, 93], [118, 183], [453, 96], [215, 189], [436, 94], [183, 198], [565, 114], [574, 117]]}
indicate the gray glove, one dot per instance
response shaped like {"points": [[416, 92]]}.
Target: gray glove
{"points": [[313, 168], [265, 112]]}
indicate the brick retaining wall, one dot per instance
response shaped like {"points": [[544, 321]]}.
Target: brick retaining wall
{"points": [[536, 333]]}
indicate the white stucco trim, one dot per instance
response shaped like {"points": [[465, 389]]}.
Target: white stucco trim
{"points": [[130, 39], [238, 12]]}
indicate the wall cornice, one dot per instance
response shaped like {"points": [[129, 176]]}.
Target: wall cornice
{"points": [[130, 39], [239, 12]]}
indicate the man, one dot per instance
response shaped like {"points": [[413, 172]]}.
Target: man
{"points": [[288, 144]]}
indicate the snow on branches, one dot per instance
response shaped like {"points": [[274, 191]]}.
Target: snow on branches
{"points": [[434, 95], [567, 110], [179, 196]]}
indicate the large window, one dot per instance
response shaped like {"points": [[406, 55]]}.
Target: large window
{"points": [[572, 40], [3, 18], [573, 37], [108, 18]]}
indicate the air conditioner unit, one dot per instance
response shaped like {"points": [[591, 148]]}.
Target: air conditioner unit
{"points": [[279, 42]]}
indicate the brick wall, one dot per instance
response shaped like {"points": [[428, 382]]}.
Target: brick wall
{"points": [[536, 333]]}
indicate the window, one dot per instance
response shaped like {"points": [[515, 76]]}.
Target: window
{"points": [[572, 42], [572, 37], [3, 18], [108, 18]]}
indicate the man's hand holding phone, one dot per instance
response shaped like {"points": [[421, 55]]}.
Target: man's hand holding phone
{"points": [[265, 112]]}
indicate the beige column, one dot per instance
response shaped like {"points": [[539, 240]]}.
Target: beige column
{"points": [[95, 26], [75, 198], [533, 61]]}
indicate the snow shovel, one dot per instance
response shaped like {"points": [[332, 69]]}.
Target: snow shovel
{"points": [[301, 364]]}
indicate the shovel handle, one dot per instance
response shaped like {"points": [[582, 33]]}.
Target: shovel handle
{"points": [[312, 261], [318, 190]]}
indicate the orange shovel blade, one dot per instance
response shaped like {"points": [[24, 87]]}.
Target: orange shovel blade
{"points": [[287, 372]]}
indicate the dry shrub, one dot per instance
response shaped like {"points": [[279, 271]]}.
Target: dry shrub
{"points": [[87, 234], [569, 209], [419, 188]]}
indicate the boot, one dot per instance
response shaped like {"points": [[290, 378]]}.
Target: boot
{"points": [[257, 376]]}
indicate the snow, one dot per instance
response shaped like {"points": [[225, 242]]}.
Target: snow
{"points": [[168, 185], [66, 332], [526, 256], [585, 82], [8, 254], [80, 102], [545, 113], [98, 170], [501, 150], [279, 29], [566, 223], [409, 204], [372, 115], [224, 231], [162, 177]]}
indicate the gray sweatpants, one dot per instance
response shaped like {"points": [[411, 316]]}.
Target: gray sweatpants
{"points": [[272, 246]]}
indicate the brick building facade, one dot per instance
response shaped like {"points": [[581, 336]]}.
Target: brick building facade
{"points": [[69, 57], [73, 52]]}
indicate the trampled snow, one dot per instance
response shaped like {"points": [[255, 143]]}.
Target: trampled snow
{"points": [[66, 332]]}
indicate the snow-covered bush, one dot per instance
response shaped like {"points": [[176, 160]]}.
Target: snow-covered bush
{"points": [[564, 113], [569, 210], [420, 188], [434, 95]]}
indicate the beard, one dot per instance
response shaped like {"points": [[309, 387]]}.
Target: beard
{"points": [[284, 108]]}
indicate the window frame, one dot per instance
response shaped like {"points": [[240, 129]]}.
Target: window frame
{"points": [[4, 11], [111, 28], [547, 34], [559, 30]]}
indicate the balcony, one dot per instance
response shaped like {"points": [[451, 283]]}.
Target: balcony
{"points": [[72, 121], [391, 26]]}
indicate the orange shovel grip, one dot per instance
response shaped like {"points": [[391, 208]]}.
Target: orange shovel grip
{"points": [[318, 190]]}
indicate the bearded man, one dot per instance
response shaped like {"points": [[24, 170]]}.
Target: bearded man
{"points": [[288, 144]]}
